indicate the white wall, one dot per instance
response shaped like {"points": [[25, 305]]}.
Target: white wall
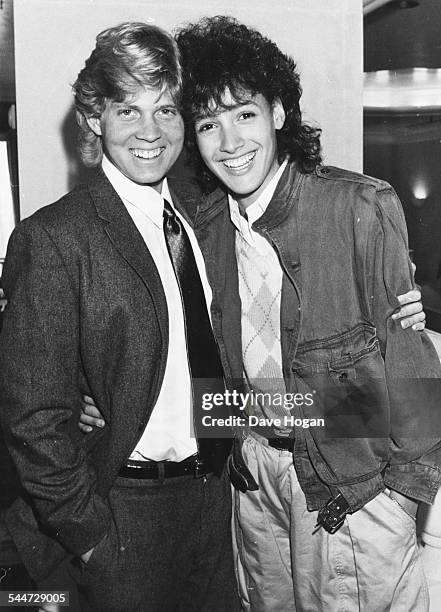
{"points": [[54, 37]]}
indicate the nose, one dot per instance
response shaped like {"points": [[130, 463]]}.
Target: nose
{"points": [[148, 130], [231, 140]]}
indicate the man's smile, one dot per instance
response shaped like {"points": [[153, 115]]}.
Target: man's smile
{"points": [[147, 153], [239, 163]]}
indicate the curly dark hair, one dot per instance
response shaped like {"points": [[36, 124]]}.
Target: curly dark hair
{"points": [[219, 54]]}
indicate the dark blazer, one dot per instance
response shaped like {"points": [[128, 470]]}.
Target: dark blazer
{"points": [[86, 314]]}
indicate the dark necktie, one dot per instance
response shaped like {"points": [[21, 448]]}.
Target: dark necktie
{"points": [[203, 357]]}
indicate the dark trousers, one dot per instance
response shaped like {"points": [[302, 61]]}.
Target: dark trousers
{"points": [[168, 549]]}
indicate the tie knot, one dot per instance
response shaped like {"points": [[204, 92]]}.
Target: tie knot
{"points": [[168, 210]]}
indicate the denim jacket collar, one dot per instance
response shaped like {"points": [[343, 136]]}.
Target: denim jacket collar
{"points": [[278, 209]]}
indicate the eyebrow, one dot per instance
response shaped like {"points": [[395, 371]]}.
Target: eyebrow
{"points": [[136, 107], [206, 114], [123, 104]]}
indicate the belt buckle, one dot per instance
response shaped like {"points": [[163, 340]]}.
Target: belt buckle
{"points": [[199, 468], [332, 516]]}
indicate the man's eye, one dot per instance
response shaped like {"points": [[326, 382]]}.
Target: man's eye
{"points": [[126, 112], [205, 127], [247, 115], [168, 112]]}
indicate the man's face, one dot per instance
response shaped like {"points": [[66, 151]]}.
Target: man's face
{"points": [[142, 136], [239, 144]]}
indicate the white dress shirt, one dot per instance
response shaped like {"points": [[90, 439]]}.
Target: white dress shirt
{"points": [[168, 434], [254, 212]]}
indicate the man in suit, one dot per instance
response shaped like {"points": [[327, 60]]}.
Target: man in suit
{"points": [[107, 296]]}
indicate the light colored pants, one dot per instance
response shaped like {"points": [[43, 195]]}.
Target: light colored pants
{"points": [[430, 520], [371, 564]]}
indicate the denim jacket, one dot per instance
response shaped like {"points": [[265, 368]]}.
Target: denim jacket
{"points": [[342, 243]]}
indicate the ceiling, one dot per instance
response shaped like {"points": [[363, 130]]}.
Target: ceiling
{"points": [[395, 38], [402, 57], [399, 38]]}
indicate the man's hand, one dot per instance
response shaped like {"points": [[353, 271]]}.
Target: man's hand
{"points": [[411, 313], [90, 416], [86, 556], [409, 505]]}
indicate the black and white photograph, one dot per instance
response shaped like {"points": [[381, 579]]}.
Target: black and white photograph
{"points": [[220, 305]]}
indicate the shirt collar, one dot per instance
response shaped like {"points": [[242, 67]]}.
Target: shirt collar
{"points": [[143, 197], [256, 209]]}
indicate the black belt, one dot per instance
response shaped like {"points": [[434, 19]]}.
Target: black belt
{"points": [[193, 466], [282, 443]]}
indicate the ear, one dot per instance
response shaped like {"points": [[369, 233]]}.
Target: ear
{"points": [[278, 114], [95, 125]]}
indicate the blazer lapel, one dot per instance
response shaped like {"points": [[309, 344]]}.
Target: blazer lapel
{"points": [[186, 196], [127, 240]]}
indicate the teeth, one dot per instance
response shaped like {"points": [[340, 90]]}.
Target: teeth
{"points": [[147, 154], [239, 162]]}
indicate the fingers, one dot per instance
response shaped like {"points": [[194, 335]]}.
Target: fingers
{"points": [[411, 315], [90, 415], [411, 312], [87, 423], [410, 296], [416, 321], [91, 420], [92, 411], [419, 326], [414, 309]]}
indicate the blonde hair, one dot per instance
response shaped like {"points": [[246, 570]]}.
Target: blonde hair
{"points": [[126, 57]]}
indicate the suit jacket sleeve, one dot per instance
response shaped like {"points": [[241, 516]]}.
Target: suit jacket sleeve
{"points": [[39, 392], [412, 367]]}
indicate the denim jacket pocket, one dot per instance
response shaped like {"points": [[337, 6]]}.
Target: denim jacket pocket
{"points": [[357, 386], [346, 376]]}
